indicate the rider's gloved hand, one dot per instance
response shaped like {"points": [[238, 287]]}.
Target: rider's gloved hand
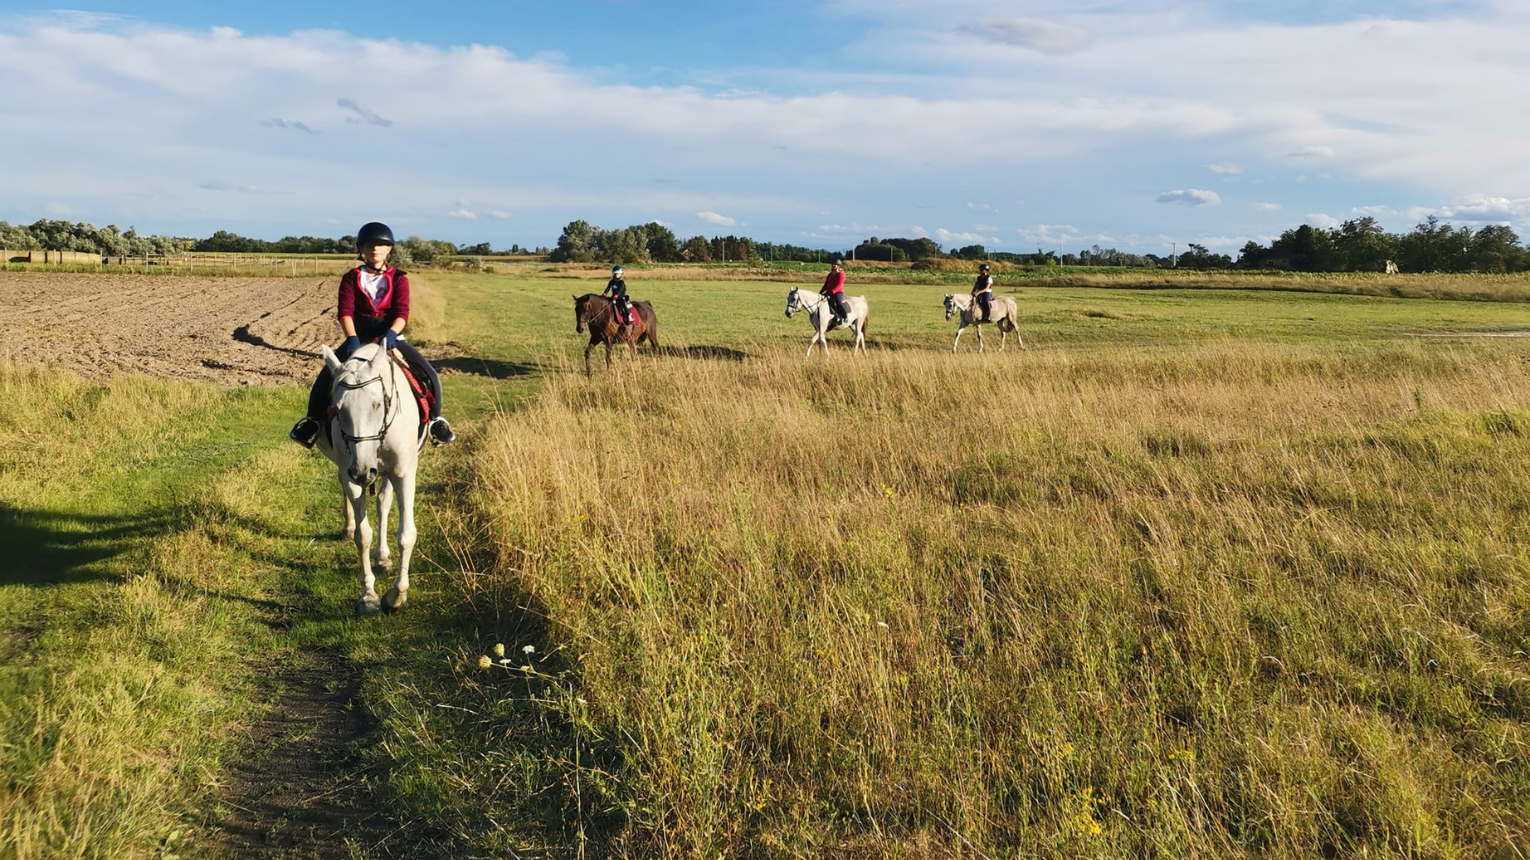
{"points": [[390, 339], [348, 348]]}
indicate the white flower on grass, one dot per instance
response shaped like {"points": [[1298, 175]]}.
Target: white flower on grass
{"points": [[530, 649]]}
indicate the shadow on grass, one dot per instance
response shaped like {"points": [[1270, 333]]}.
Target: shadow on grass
{"points": [[716, 353], [492, 368], [44, 548]]}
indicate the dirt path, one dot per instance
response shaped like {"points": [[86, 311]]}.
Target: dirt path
{"points": [[232, 331], [295, 794]]}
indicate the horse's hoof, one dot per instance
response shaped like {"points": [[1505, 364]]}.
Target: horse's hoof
{"points": [[384, 563], [393, 600], [345, 535], [368, 605]]}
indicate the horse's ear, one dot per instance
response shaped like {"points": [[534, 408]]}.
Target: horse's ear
{"points": [[331, 360], [576, 298]]}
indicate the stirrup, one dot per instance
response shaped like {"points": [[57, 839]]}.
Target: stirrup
{"points": [[305, 432]]}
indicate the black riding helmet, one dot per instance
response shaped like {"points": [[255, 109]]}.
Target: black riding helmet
{"points": [[374, 233], [983, 267]]}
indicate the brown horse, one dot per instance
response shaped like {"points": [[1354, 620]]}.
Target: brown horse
{"points": [[599, 314]]}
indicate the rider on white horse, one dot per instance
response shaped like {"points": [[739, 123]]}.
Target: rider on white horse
{"points": [[982, 293], [373, 306], [834, 290]]}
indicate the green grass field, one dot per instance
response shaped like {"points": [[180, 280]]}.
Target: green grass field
{"points": [[1216, 573]]}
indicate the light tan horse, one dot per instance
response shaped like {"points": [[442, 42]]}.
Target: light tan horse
{"points": [[1003, 312], [822, 317]]}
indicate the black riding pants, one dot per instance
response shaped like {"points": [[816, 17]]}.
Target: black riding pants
{"points": [[838, 304], [318, 395], [983, 301]]}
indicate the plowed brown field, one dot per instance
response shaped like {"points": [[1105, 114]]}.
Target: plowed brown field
{"points": [[233, 331]]}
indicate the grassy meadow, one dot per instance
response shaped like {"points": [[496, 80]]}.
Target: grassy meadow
{"points": [[1200, 573], [1206, 574]]}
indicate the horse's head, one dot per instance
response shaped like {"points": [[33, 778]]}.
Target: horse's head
{"points": [[950, 306], [363, 400], [793, 302]]}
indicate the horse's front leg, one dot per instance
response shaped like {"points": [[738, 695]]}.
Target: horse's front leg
{"points": [[960, 327], [398, 595], [347, 513], [608, 355], [979, 330], [587, 349], [356, 494], [382, 554]]}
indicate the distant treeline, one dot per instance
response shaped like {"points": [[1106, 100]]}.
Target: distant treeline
{"points": [[109, 241], [1359, 245]]}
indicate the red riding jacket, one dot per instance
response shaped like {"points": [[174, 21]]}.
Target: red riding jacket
{"points": [[373, 317], [834, 283]]}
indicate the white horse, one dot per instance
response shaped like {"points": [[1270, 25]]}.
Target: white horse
{"points": [[1002, 310], [821, 315], [374, 434]]}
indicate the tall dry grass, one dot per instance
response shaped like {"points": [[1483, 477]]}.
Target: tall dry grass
{"points": [[1241, 601]]}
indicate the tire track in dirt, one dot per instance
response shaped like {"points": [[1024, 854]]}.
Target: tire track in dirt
{"points": [[227, 330]]}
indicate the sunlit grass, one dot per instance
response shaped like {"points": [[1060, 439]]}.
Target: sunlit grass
{"points": [[1231, 600]]}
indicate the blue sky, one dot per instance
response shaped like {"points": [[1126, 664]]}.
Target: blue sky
{"points": [[1017, 125]]}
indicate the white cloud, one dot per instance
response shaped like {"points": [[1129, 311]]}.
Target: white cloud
{"points": [[716, 220], [1045, 37], [919, 232], [1318, 219], [1265, 207], [1049, 235], [498, 214], [1488, 209], [947, 237], [1226, 168], [980, 207], [987, 228], [1191, 197], [463, 215]]}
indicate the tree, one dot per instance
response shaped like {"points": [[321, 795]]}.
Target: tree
{"points": [[1496, 248], [576, 245], [663, 247], [1304, 249], [1362, 246], [697, 250]]}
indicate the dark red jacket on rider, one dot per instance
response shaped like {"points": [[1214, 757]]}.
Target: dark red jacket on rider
{"points": [[834, 283], [372, 317]]}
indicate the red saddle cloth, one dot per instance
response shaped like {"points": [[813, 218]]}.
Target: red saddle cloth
{"points": [[633, 320], [422, 394]]}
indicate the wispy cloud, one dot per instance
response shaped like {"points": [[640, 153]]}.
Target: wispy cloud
{"points": [[1312, 153], [1225, 168], [1319, 219], [1045, 37], [277, 122], [1191, 197], [365, 114], [1265, 207], [463, 215]]}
